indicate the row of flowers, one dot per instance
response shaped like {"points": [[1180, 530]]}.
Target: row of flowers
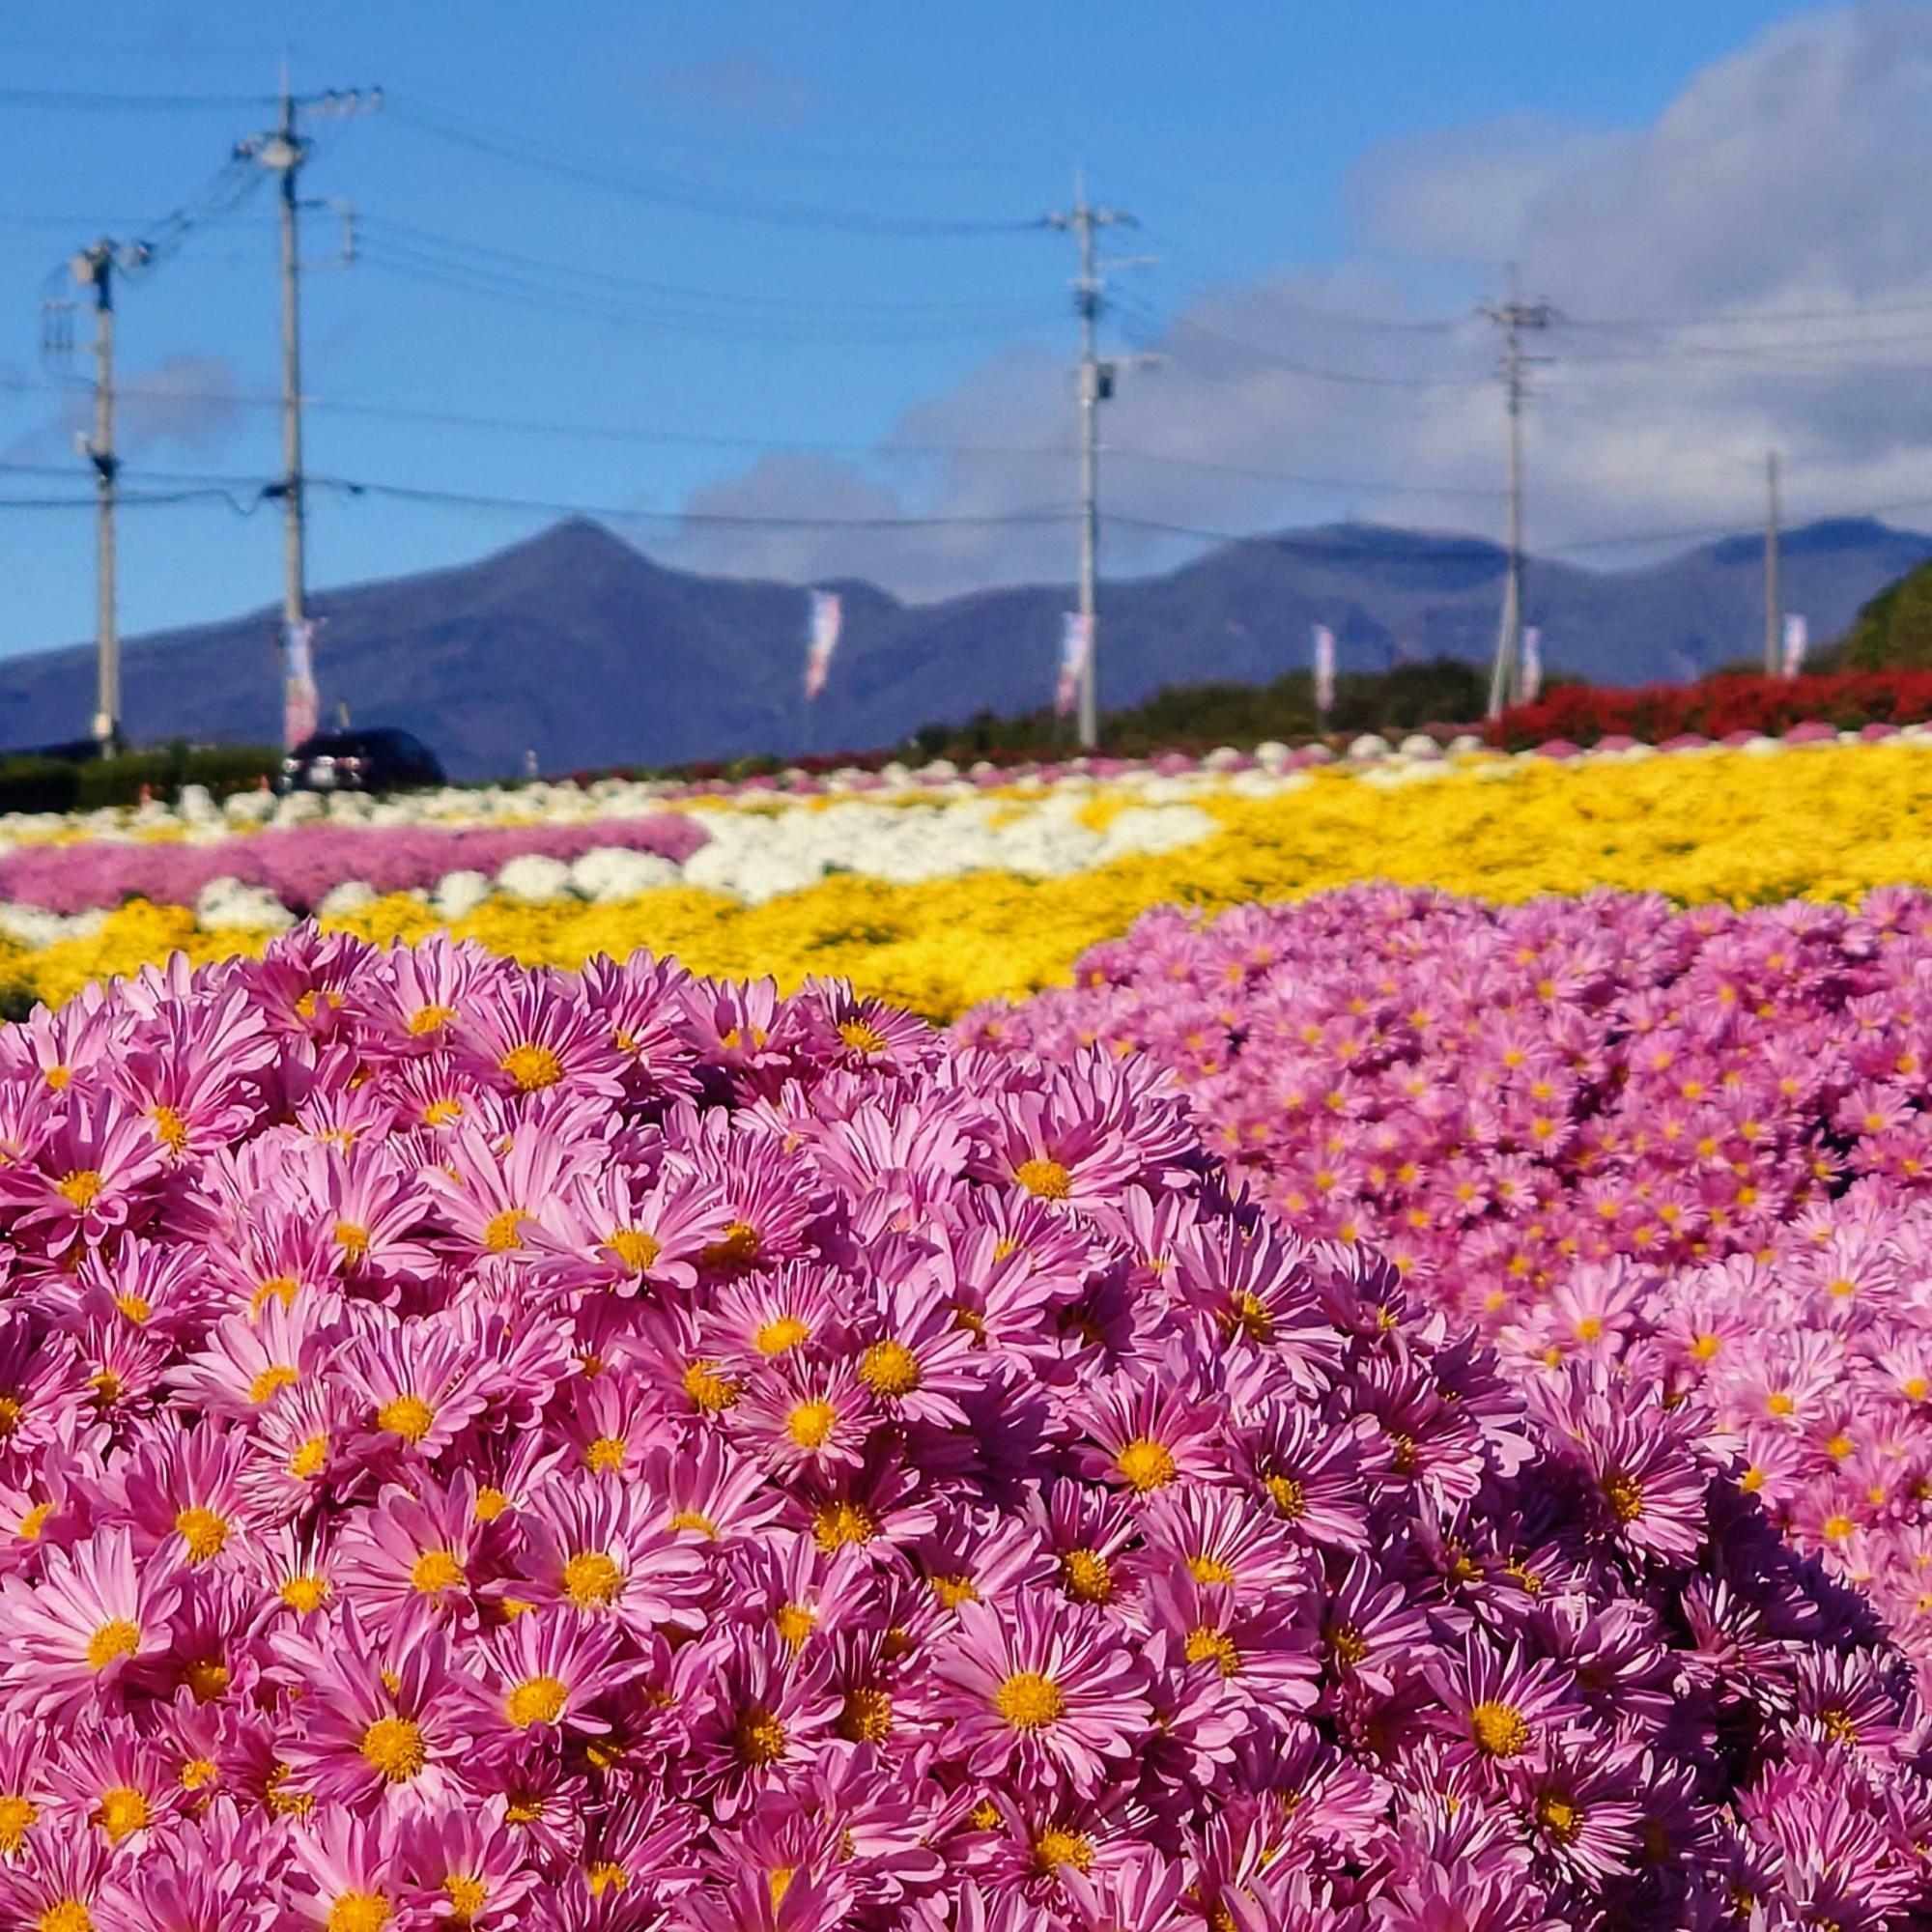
{"points": [[492, 1448], [1716, 707], [1693, 1149], [1732, 826]]}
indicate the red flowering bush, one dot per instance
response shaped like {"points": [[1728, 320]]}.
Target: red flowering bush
{"points": [[492, 1448], [1714, 707]]}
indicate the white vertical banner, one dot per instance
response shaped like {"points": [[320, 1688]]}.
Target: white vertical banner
{"points": [[1076, 643], [1797, 639], [1324, 668], [1532, 664], [828, 616], [300, 702]]}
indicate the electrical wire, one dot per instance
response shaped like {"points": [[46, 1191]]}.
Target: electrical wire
{"points": [[675, 190], [84, 100], [575, 273], [504, 285]]}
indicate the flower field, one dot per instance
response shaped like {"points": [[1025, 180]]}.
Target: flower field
{"points": [[1376, 1376], [941, 895]]}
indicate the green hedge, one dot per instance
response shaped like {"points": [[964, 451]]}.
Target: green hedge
{"points": [[31, 783]]}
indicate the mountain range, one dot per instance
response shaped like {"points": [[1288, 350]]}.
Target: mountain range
{"points": [[575, 647]]}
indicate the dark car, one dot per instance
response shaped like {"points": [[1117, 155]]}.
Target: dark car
{"points": [[378, 760]]}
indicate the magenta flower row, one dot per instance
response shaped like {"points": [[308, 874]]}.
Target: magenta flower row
{"points": [[492, 1448], [299, 866]]}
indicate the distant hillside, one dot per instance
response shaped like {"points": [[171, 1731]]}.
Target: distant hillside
{"points": [[576, 646], [1893, 630]]}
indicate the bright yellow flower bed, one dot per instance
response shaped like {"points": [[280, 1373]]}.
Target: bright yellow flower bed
{"points": [[1826, 822]]}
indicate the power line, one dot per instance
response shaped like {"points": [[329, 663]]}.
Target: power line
{"points": [[1308, 372], [507, 286], [574, 273], [678, 191], [70, 100], [682, 519]]}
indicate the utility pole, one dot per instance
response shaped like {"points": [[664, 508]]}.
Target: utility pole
{"points": [[1774, 600], [283, 149], [95, 267], [1096, 386], [1513, 316]]}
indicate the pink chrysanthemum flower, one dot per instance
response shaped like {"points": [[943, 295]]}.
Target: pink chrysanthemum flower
{"points": [[94, 1616], [1041, 1692]]}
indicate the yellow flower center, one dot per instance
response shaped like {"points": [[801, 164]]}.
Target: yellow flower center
{"points": [[137, 1308], [491, 1503], [1055, 1847], [532, 1067], [708, 1389], [1046, 1179], [782, 1333], [738, 1249], [1346, 1644], [634, 1248], [122, 1811], [888, 1369], [810, 1423], [69, 1916], [202, 1531], [1086, 1576], [1625, 1495], [269, 1381], [591, 1580], [1213, 1646], [311, 1458], [504, 1234], [607, 1876], [866, 1717], [605, 1455], [393, 1747], [408, 1416], [352, 1239], [759, 1736], [197, 1773], [693, 1519], [467, 1896], [280, 1288], [1839, 1725], [1028, 1700], [16, 1818], [835, 1524], [430, 1019], [437, 1569], [1145, 1465], [440, 1113], [170, 1130], [305, 1592], [536, 1700], [1210, 1569], [1562, 1817], [794, 1623], [1500, 1730], [117, 1638], [207, 1677], [80, 1188], [1250, 1315], [1288, 1496], [358, 1912], [861, 1037]]}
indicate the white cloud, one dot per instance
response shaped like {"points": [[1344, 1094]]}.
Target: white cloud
{"points": [[1786, 179]]}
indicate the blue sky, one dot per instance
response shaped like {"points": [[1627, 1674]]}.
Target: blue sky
{"points": [[1257, 144]]}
